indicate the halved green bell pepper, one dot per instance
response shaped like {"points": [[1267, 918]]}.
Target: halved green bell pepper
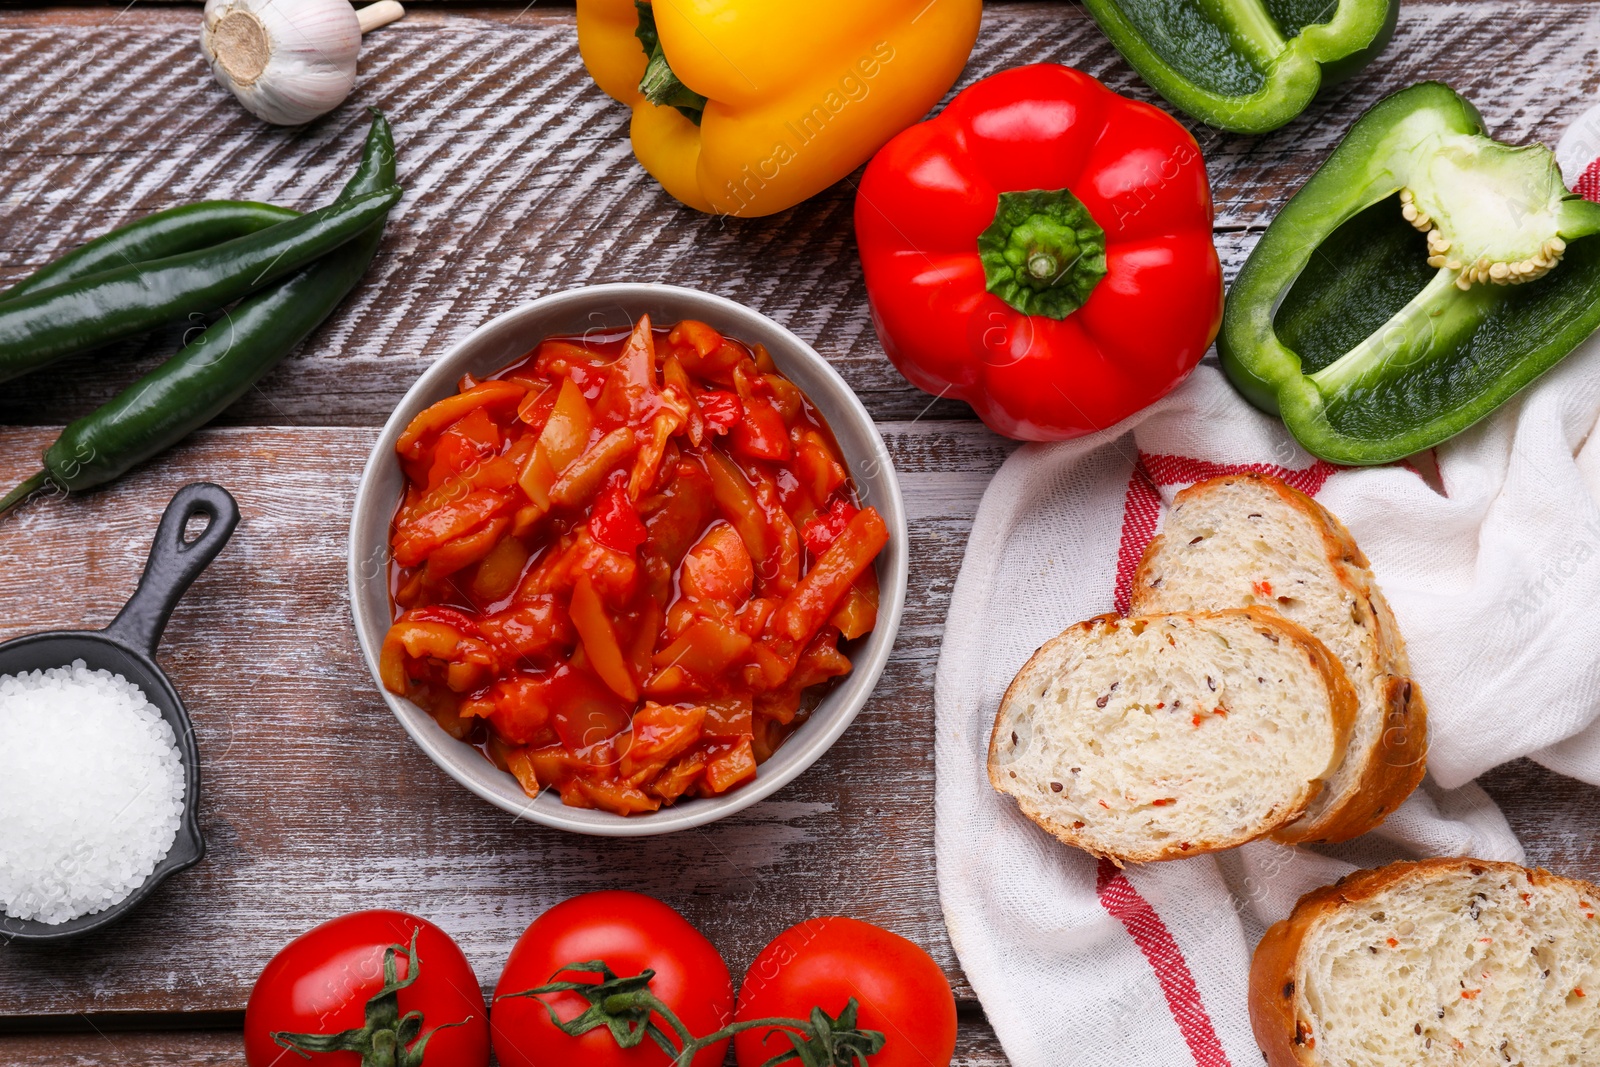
{"points": [[1245, 65], [1421, 277]]}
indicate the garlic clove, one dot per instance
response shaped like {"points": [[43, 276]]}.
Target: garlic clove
{"points": [[287, 61]]}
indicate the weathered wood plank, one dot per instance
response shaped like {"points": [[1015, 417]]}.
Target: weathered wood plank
{"points": [[316, 803], [976, 1047], [145, 1048], [521, 181], [1557, 818], [521, 184]]}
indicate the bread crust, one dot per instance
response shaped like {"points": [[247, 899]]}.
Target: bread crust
{"points": [[1342, 707], [1392, 773], [1394, 768], [1274, 998]]}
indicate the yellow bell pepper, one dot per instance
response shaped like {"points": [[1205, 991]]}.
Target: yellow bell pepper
{"points": [[791, 97]]}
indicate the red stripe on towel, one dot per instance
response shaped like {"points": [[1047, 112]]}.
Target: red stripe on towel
{"points": [[1124, 903], [1588, 185], [1142, 506], [1140, 510], [1181, 470]]}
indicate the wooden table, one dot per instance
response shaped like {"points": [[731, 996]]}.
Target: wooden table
{"points": [[519, 182]]}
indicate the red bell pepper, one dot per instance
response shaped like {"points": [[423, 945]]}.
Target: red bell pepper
{"points": [[722, 410], [823, 530], [1042, 250], [614, 522]]}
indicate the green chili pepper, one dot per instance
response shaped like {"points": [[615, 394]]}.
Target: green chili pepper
{"points": [[38, 329], [1245, 65], [166, 233], [1423, 275], [223, 362]]}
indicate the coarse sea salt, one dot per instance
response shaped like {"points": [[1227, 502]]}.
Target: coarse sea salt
{"points": [[91, 791]]}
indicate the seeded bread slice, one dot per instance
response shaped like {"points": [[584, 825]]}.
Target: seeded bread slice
{"points": [[1250, 540], [1156, 738], [1448, 961]]}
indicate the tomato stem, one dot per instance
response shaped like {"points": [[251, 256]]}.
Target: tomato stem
{"points": [[628, 1008], [624, 1006], [823, 1041], [387, 1039]]}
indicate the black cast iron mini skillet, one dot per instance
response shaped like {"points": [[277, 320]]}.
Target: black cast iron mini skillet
{"points": [[127, 647]]}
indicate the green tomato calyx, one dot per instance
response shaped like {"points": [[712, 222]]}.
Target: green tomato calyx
{"points": [[626, 1006], [387, 1038]]}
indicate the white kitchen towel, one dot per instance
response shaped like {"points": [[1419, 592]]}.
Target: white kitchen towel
{"points": [[1492, 565]]}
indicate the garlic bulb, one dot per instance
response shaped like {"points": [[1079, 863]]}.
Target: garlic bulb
{"points": [[288, 61]]}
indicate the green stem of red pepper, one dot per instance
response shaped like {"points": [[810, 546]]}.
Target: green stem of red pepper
{"points": [[1044, 253], [628, 1009]]}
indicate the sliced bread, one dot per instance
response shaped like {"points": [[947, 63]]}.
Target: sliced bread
{"points": [[1250, 540], [1451, 961], [1155, 738]]}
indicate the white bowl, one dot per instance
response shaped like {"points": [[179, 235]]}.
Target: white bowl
{"points": [[508, 338]]}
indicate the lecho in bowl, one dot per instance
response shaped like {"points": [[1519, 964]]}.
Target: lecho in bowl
{"points": [[628, 559]]}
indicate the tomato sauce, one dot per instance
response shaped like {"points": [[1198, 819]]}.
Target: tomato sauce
{"points": [[623, 566]]}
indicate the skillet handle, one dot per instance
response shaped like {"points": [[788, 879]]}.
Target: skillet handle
{"points": [[175, 563]]}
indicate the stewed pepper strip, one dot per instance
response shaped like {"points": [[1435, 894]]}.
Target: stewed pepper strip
{"points": [[737, 503], [562, 440], [593, 624], [426, 534], [807, 608], [436, 417]]}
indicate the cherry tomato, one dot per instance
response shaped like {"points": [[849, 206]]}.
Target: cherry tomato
{"points": [[322, 983], [823, 963], [630, 932]]}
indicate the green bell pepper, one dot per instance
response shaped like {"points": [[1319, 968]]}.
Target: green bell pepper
{"points": [[1421, 277], [1245, 65]]}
